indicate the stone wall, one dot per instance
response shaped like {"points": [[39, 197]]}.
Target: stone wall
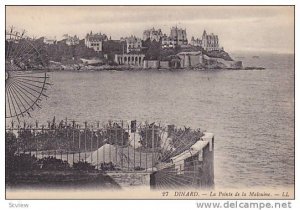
{"points": [[190, 59], [194, 171], [164, 64], [151, 64]]}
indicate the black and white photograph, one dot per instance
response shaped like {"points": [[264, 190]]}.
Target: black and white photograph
{"points": [[149, 102]]}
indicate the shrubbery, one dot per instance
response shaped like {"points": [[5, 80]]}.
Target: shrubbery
{"points": [[51, 163], [83, 166], [107, 166]]}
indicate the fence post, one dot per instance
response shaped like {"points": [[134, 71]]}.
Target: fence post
{"points": [[73, 132], [122, 138], [103, 149], [110, 143], [79, 138], [116, 143], [156, 144], [98, 127], [140, 153], [92, 133], [146, 145], [36, 141], [66, 125], [152, 145], [128, 148], [55, 129], [134, 150], [85, 125], [12, 126], [98, 150]]}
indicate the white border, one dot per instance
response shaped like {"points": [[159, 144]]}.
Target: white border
{"points": [[128, 204]]}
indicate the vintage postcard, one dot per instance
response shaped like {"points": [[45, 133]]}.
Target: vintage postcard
{"points": [[149, 102]]}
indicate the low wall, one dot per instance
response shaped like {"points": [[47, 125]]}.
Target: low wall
{"points": [[155, 64], [151, 64], [164, 64], [190, 169]]}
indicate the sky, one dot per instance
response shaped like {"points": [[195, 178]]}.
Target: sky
{"points": [[240, 28]]}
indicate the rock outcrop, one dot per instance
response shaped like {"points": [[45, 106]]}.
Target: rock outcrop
{"points": [[220, 63]]}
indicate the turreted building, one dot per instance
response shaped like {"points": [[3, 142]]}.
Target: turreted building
{"points": [[71, 40], [209, 42], [152, 34], [196, 42], [133, 44], [95, 41], [178, 37]]}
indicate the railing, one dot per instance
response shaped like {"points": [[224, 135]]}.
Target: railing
{"points": [[111, 146]]}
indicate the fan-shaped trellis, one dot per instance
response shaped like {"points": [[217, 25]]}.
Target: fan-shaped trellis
{"points": [[25, 83]]}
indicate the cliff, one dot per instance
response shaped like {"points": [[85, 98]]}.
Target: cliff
{"points": [[218, 54], [221, 63]]}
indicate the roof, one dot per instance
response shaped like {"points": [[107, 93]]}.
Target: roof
{"points": [[96, 37]]}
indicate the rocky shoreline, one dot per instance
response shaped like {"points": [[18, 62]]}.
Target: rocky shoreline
{"points": [[187, 62], [76, 68]]}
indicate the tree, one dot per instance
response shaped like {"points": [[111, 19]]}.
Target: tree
{"points": [[153, 51]]}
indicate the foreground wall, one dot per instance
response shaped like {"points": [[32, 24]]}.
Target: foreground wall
{"points": [[188, 171]]}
